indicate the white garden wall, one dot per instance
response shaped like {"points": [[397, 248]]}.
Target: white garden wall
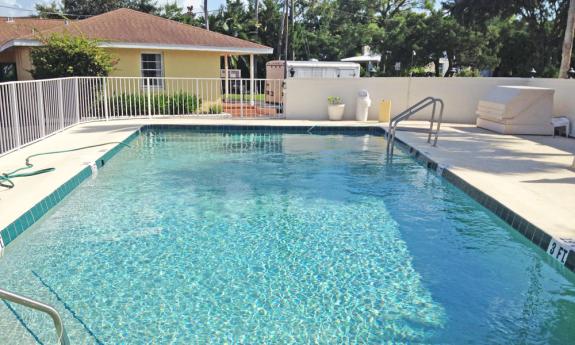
{"points": [[307, 98], [564, 101]]}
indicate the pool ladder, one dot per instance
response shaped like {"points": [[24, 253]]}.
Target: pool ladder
{"points": [[407, 113], [45, 308]]}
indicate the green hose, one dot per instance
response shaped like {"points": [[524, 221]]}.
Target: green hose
{"points": [[6, 178]]}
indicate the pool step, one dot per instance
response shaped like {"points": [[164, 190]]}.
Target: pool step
{"points": [[245, 109]]}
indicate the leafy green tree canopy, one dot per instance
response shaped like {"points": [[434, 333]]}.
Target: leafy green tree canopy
{"points": [[507, 37], [83, 8], [66, 56]]}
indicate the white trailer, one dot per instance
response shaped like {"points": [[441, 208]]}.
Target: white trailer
{"points": [[312, 69], [307, 70]]}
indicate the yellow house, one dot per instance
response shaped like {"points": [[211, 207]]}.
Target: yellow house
{"points": [[144, 45]]}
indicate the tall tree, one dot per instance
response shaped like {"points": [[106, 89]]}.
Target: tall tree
{"points": [[542, 24], [269, 29], [50, 11], [443, 36], [94, 7], [568, 41]]}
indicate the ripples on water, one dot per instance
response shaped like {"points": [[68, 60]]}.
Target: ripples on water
{"points": [[267, 238]]}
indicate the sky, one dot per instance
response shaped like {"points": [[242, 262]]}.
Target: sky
{"points": [[30, 4]]}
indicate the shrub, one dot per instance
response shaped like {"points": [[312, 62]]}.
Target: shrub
{"points": [[215, 109], [468, 72], [334, 100], [137, 104], [67, 56]]}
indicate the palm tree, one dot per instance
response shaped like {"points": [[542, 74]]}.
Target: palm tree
{"points": [[206, 18], [568, 41]]}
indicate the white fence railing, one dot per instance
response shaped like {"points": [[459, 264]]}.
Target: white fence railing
{"points": [[31, 110]]}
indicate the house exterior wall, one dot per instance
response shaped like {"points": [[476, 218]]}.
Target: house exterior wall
{"points": [[21, 57], [177, 64]]}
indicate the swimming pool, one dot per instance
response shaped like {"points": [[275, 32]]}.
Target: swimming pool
{"points": [[271, 236]]}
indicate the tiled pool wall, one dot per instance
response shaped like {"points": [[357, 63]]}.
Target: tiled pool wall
{"points": [[319, 130], [17, 227], [554, 247]]}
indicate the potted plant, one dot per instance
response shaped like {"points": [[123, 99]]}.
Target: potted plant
{"points": [[335, 108]]}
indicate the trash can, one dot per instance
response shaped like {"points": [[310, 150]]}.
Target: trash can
{"points": [[363, 104], [384, 111]]}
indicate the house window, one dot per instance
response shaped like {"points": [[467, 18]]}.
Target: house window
{"points": [[8, 72], [152, 67]]}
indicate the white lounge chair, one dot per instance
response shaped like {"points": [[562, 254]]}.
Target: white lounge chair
{"points": [[517, 110]]}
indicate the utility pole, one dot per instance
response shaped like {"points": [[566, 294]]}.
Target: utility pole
{"points": [[286, 33], [206, 17], [281, 34], [292, 29], [257, 20]]}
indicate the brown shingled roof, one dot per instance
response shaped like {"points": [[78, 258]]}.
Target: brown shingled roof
{"points": [[134, 27], [19, 27]]}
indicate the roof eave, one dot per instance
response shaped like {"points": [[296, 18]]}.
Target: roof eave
{"points": [[233, 50], [19, 42], [133, 45]]}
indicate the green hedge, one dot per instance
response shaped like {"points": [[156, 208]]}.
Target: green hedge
{"points": [[137, 104]]}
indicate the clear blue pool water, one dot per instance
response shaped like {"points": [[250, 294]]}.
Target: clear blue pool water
{"points": [[269, 238]]}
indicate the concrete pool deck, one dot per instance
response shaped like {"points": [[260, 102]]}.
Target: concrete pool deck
{"points": [[528, 174]]}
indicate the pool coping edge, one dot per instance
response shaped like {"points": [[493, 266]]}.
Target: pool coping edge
{"points": [[9, 233]]}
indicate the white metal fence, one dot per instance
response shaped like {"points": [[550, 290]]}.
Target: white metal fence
{"points": [[31, 110]]}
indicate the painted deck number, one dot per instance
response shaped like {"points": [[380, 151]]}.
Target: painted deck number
{"points": [[557, 251]]}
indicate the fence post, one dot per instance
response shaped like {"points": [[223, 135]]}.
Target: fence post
{"points": [[61, 103], [15, 117], [198, 100], [106, 109], [241, 98], [149, 98], [227, 79], [40, 99], [284, 97], [252, 84], [77, 89]]}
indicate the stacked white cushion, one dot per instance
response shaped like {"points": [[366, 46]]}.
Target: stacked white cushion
{"points": [[517, 110]]}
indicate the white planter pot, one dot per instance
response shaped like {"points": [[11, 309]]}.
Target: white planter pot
{"points": [[335, 112]]}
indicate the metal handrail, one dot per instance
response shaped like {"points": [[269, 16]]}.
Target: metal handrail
{"points": [[409, 110], [45, 308], [442, 105], [417, 107]]}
